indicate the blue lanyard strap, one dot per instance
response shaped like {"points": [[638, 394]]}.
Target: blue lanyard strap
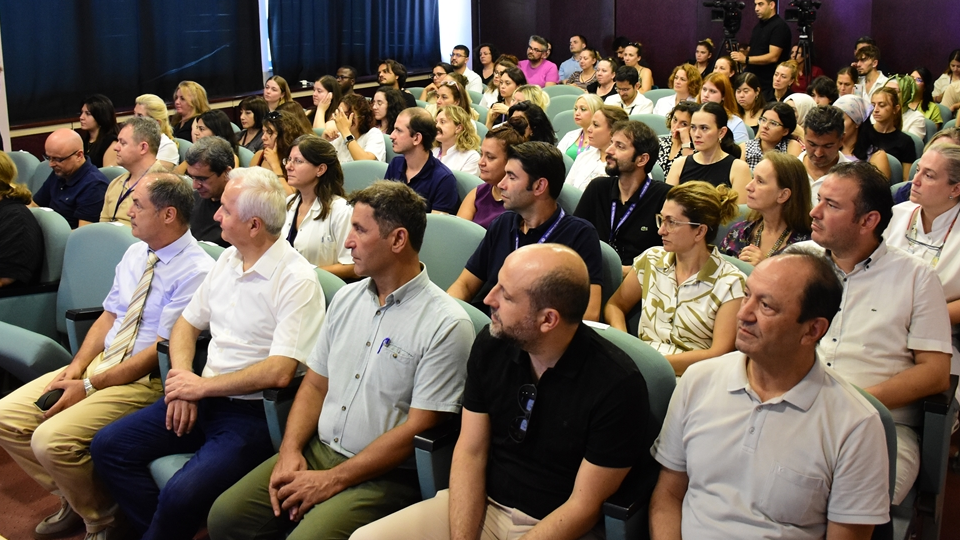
{"points": [[630, 209], [546, 235]]}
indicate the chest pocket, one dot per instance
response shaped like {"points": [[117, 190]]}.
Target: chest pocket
{"points": [[794, 498]]}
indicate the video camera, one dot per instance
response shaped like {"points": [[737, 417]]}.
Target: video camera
{"points": [[802, 12], [729, 13]]}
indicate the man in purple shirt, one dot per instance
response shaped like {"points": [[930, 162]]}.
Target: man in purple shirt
{"points": [[536, 67]]}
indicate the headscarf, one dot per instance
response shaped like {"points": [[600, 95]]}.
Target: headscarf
{"points": [[856, 107], [802, 103], [908, 89]]}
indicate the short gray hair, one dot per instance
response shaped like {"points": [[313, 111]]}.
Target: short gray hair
{"points": [[145, 130], [215, 152], [262, 195], [951, 153], [168, 189]]}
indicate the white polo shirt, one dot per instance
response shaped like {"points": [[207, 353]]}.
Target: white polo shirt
{"points": [[775, 469], [815, 183], [467, 161]]}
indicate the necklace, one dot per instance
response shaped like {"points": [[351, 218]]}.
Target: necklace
{"points": [[776, 246]]}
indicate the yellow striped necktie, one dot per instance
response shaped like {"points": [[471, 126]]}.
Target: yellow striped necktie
{"points": [[122, 345]]}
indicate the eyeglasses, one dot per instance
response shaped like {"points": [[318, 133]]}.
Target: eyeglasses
{"points": [[534, 49], [526, 397], [457, 55], [438, 75], [671, 223], [58, 160], [295, 161], [449, 83], [343, 77], [773, 123]]}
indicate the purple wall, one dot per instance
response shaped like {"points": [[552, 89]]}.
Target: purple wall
{"points": [[909, 32]]}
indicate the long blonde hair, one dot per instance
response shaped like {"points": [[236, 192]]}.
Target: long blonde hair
{"points": [[535, 95], [467, 138], [8, 189], [157, 110]]}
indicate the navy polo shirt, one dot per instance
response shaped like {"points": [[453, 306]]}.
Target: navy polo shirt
{"points": [[591, 405], [636, 233], [435, 183], [79, 197], [504, 235]]}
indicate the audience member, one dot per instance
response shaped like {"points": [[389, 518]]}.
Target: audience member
{"points": [[575, 141], [21, 244], [688, 294], [491, 93], [605, 86], [151, 106], [437, 75], [750, 100], [485, 202], [512, 478], [457, 145], [299, 113], [280, 129], [326, 100], [628, 97], [450, 92], [99, 120], [415, 164], [855, 145], [702, 56], [801, 105], [847, 81], [318, 217], [779, 201], [209, 163], [387, 104], [822, 140], [885, 132], [913, 122], [263, 306], [75, 188], [532, 93], [593, 162], [776, 135], [487, 54], [710, 481], [632, 54], [623, 204], [947, 135], [252, 111], [354, 134], [136, 150], [530, 188], [769, 45], [619, 44], [685, 82], [783, 79], [110, 376], [922, 101], [510, 79], [678, 142], [394, 74], [189, 100], [276, 92], [950, 75], [715, 160], [823, 90], [539, 126], [803, 80], [907, 327], [536, 68], [212, 124], [460, 59], [585, 74], [725, 66], [717, 89], [578, 44], [871, 79], [346, 77]]}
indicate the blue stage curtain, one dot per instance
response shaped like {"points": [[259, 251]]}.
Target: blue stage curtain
{"points": [[55, 52], [311, 39]]}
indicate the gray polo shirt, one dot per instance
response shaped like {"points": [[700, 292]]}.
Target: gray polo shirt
{"points": [[775, 469], [383, 360]]}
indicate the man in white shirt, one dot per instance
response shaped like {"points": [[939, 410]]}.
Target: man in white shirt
{"points": [[459, 59], [263, 306], [871, 79], [823, 137], [577, 44], [891, 336], [628, 96], [767, 442]]}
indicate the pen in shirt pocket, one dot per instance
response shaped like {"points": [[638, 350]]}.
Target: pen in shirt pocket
{"points": [[386, 341]]}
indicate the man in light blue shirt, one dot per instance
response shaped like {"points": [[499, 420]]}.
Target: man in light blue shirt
{"points": [[577, 44]]}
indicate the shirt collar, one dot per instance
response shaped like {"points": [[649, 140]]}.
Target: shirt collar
{"points": [[171, 250], [538, 231], [862, 265], [573, 359], [405, 292], [77, 174], [267, 264], [425, 171], [802, 395]]}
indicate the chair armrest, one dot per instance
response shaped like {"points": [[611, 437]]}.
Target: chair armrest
{"points": [[286, 393], [621, 505], [78, 323], [199, 358], [938, 412], [433, 451], [625, 512], [85, 314], [437, 437], [941, 403], [276, 407]]}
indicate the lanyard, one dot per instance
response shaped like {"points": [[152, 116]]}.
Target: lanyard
{"points": [[292, 233], [630, 209], [912, 227], [123, 196], [580, 142], [516, 238]]}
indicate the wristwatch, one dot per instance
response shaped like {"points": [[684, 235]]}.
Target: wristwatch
{"points": [[349, 138], [88, 387]]}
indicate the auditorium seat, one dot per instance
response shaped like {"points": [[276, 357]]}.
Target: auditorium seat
{"points": [[561, 103], [564, 123], [569, 197], [612, 272], [245, 155], [360, 174], [482, 111], [448, 243], [466, 183], [896, 169], [562, 90], [654, 121], [26, 163], [39, 176], [654, 95]]}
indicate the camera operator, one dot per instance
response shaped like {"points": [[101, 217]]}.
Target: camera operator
{"points": [[769, 45]]}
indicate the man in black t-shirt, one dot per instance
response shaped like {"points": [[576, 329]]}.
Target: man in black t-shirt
{"points": [[769, 45], [209, 161], [554, 416]]}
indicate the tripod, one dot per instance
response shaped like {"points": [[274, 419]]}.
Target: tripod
{"points": [[805, 47]]}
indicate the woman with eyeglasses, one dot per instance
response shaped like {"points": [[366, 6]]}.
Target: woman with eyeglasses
{"points": [[686, 83], [588, 73], [21, 244], [715, 160], [99, 120], [605, 86], [688, 293], [855, 144], [457, 142], [326, 99], [487, 55], [252, 111], [922, 101], [592, 163], [318, 216], [484, 203], [779, 201], [354, 133], [437, 74], [276, 92], [511, 79], [189, 100], [387, 104], [776, 135], [280, 129], [151, 106], [632, 54], [575, 141]]}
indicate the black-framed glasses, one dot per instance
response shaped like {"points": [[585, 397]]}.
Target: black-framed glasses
{"points": [[457, 54], [526, 397], [58, 160], [534, 49], [672, 223], [773, 123], [343, 77]]}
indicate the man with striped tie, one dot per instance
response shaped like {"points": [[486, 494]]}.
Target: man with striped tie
{"points": [[112, 373]]}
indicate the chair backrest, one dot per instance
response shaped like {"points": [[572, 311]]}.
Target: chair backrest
{"points": [[245, 155], [945, 113], [562, 90], [475, 96], [659, 93], [894, 188], [724, 228], [388, 146], [112, 172], [213, 250], [896, 169], [415, 90], [657, 173], [39, 176], [913, 170], [481, 129], [448, 243], [466, 183], [950, 123], [89, 264], [890, 432], [569, 198], [561, 103], [236, 128], [612, 271], [318, 132], [55, 231], [330, 284], [931, 130], [478, 317], [182, 146], [750, 133], [656, 122], [743, 266], [481, 112], [564, 123], [422, 104], [26, 163], [360, 174], [917, 144]]}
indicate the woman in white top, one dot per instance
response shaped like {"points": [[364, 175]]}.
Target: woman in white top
{"points": [[686, 82], [352, 132], [318, 217], [150, 105], [574, 142], [457, 142], [689, 294], [593, 162], [491, 94], [950, 75]]}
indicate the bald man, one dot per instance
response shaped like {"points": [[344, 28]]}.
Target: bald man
{"points": [[75, 188], [546, 464]]}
